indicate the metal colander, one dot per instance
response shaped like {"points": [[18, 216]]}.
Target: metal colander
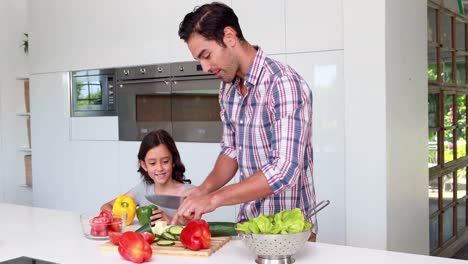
{"points": [[278, 249]]}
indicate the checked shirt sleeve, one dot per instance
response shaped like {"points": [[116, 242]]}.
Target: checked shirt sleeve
{"points": [[228, 140], [290, 109]]}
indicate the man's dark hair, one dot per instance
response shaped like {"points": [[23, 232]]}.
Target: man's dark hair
{"points": [[209, 20]]}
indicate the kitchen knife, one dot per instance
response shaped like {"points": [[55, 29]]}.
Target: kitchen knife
{"points": [[167, 201]]}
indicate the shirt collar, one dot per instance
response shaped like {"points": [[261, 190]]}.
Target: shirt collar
{"points": [[253, 74]]}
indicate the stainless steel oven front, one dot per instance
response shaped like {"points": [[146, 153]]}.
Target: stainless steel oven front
{"points": [[177, 97]]}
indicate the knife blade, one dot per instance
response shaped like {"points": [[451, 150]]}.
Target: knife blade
{"points": [[168, 201]]}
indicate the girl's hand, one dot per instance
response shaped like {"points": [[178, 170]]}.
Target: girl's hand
{"points": [[159, 215]]}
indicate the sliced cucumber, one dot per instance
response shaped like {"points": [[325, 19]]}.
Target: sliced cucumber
{"points": [[175, 230], [165, 243], [168, 236], [157, 238]]}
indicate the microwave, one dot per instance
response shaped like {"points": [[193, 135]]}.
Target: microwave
{"points": [[93, 93]]}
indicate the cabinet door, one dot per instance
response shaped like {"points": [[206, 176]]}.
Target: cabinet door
{"points": [[313, 25], [95, 174], [51, 163], [91, 34], [128, 165], [262, 23], [323, 71], [174, 13]]}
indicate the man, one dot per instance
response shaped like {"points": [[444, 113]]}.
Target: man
{"points": [[266, 109]]}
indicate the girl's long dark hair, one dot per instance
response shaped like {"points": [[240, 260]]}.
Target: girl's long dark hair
{"points": [[154, 139]]}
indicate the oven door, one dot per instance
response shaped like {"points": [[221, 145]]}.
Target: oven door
{"points": [[195, 109], [143, 106]]}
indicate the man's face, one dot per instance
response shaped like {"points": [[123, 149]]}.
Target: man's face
{"points": [[213, 57]]}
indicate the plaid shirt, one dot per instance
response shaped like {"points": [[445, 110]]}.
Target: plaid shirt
{"points": [[270, 129]]}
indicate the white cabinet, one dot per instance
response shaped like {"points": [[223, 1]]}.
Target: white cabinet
{"points": [[263, 23], [95, 128], [313, 25], [95, 176], [128, 165], [97, 34], [324, 73], [52, 161]]}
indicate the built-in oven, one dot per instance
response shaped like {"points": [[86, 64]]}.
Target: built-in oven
{"points": [[177, 97], [93, 93]]}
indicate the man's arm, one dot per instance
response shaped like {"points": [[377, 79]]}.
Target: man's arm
{"points": [[223, 171], [253, 188]]}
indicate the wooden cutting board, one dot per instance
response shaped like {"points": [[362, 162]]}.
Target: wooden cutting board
{"points": [[178, 249]]}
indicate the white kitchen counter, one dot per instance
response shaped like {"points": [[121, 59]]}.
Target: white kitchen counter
{"points": [[56, 236]]}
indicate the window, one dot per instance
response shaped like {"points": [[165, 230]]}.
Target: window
{"points": [[447, 118]]}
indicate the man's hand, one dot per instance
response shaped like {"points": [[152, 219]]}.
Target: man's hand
{"points": [[194, 207]]}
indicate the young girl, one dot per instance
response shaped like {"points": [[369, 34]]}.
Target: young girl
{"points": [[162, 172]]}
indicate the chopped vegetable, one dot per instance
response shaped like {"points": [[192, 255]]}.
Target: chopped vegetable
{"points": [[159, 227], [168, 236], [165, 243], [99, 224], [175, 230]]}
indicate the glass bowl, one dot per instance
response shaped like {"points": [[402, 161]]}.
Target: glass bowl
{"points": [[100, 231]]}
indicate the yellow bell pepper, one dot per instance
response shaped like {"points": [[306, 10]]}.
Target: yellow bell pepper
{"points": [[124, 205]]}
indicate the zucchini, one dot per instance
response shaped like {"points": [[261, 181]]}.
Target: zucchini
{"points": [[168, 236], [165, 243], [175, 230], [219, 229], [145, 228]]}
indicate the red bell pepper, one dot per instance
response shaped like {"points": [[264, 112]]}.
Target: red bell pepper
{"points": [[196, 235], [115, 237], [149, 237], [133, 247]]}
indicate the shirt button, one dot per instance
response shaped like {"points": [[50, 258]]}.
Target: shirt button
{"points": [[240, 148], [242, 122]]}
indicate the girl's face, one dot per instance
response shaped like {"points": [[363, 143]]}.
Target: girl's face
{"points": [[158, 163]]}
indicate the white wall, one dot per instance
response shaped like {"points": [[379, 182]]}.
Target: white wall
{"points": [[406, 96], [365, 113], [13, 134], [3, 54], [386, 125]]}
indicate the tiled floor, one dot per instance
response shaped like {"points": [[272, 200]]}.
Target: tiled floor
{"points": [[462, 253]]}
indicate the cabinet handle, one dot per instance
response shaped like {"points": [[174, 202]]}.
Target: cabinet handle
{"points": [[181, 68], [160, 69]]}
